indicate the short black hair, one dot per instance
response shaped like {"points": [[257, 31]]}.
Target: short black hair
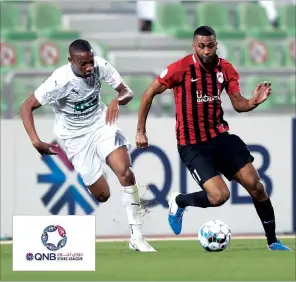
{"points": [[79, 45], [204, 30]]}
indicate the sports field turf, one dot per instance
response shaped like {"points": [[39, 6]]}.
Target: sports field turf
{"points": [[175, 260]]}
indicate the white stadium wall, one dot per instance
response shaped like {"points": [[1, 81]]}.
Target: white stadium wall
{"points": [[32, 186]]}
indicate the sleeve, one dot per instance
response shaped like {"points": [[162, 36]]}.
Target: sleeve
{"points": [[109, 74], [49, 91], [168, 77], [232, 85]]}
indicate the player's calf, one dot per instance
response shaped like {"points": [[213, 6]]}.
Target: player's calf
{"points": [[126, 176], [257, 190]]}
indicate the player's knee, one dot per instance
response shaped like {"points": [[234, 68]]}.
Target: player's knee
{"points": [[219, 198], [258, 191], [126, 177], [103, 197]]}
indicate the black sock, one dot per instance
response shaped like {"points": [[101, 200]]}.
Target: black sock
{"points": [[196, 199], [266, 215]]}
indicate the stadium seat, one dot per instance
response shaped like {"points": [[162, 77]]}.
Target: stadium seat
{"points": [[100, 49], [289, 47], [11, 25], [232, 51], [11, 56], [50, 54], [253, 20], [22, 89], [46, 19], [292, 87], [281, 92], [287, 14], [216, 15], [260, 54], [251, 83], [138, 84], [3, 98], [171, 18]]}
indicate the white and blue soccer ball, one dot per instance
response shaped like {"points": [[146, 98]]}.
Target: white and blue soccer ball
{"points": [[214, 236]]}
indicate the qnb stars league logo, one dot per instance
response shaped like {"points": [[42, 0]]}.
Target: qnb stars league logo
{"points": [[66, 188], [61, 243]]}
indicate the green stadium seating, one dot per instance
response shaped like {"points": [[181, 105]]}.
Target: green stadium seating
{"points": [[289, 46], [138, 84], [49, 53], [251, 83], [253, 20], [282, 95], [232, 51], [281, 92], [260, 54], [11, 25], [100, 49], [11, 55], [3, 106], [46, 19], [217, 16], [292, 87], [287, 14], [171, 18]]}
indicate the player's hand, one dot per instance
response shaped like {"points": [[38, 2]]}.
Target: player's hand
{"points": [[141, 140], [112, 112], [45, 148], [262, 92]]}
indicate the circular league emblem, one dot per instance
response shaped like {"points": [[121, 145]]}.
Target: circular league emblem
{"points": [[49, 53], [7, 55], [53, 228], [258, 52]]}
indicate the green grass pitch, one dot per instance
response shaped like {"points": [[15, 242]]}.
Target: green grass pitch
{"points": [[175, 261]]}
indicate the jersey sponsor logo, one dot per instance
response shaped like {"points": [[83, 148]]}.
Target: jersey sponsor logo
{"points": [[201, 98], [65, 190], [193, 80], [87, 106]]}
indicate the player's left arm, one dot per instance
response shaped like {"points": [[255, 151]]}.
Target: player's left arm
{"points": [[239, 102], [124, 96]]}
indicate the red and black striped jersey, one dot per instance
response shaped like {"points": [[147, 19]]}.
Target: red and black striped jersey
{"points": [[197, 92]]}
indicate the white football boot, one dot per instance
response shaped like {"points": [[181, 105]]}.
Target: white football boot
{"points": [[140, 244]]}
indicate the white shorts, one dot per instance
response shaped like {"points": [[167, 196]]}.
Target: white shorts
{"points": [[87, 153]]}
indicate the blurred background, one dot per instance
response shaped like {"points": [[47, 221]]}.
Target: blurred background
{"points": [[140, 38]]}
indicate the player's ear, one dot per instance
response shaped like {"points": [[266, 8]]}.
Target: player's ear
{"points": [[70, 59]]}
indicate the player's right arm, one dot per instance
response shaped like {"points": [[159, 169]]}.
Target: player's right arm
{"points": [[46, 92], [164, 81]]}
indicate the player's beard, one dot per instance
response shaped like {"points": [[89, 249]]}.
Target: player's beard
{"points": [[207, 62]]}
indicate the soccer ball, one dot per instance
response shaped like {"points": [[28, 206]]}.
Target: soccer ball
{"points": [[214, 236]]}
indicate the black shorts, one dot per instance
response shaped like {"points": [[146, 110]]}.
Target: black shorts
{"points": [[226, 154]]}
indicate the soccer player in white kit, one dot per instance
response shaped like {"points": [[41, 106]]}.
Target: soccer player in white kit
{"points": [[87, 128]]}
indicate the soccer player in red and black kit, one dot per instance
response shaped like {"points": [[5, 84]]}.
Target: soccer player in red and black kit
{"points": [[204, 143]]}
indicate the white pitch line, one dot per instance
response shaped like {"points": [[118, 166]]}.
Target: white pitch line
{"points": [[191, 238]]}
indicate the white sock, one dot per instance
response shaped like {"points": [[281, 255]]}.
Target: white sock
{"points": [[131, 202]]}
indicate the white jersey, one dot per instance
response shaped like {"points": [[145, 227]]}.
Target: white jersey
{"points": [[76, 101]]}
